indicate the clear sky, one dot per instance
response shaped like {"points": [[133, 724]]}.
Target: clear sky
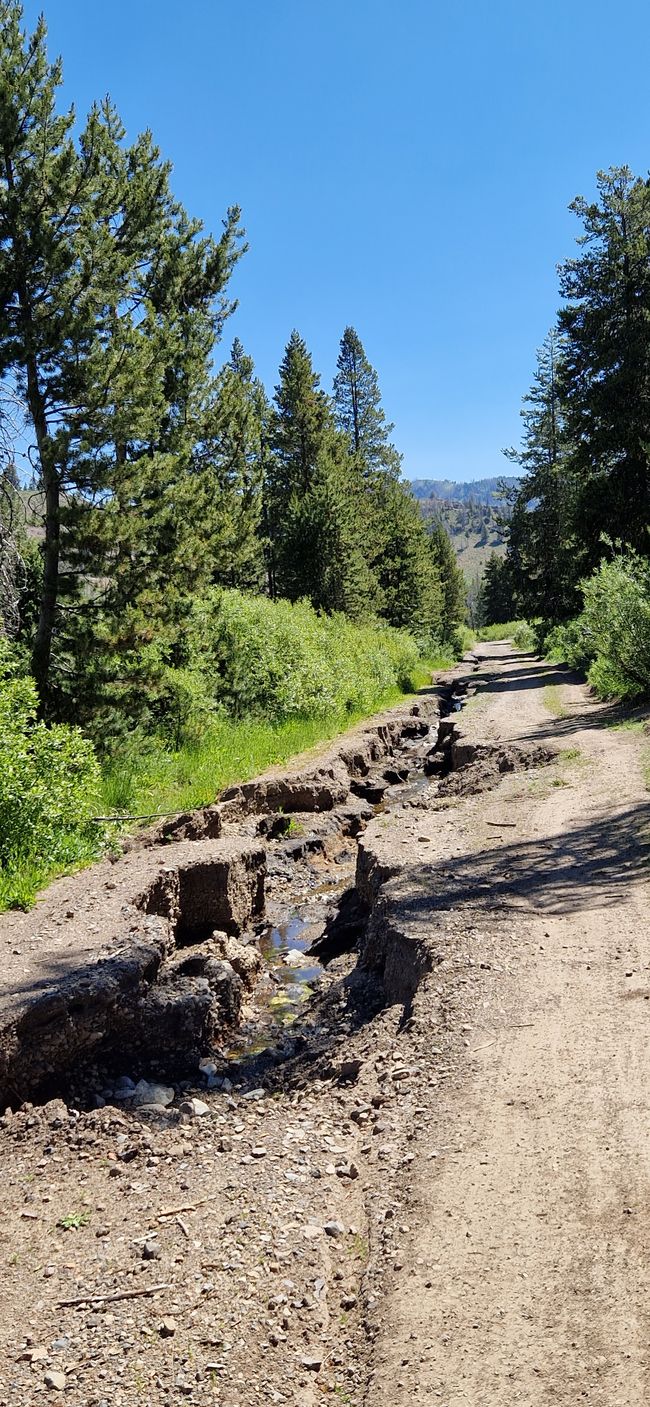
{"points": [[402, 165]]}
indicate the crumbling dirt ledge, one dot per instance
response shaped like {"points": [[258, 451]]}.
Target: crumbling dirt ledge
{"points": [[92, 971]]}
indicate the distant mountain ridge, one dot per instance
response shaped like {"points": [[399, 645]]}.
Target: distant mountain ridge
{"points": [[477, 490]]}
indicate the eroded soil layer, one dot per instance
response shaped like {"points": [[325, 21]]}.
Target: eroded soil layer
{"points": [[427, 1183], [127, 960]]}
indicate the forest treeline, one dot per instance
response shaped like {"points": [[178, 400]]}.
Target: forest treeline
{"points": [[578, 531], [193, 549]]}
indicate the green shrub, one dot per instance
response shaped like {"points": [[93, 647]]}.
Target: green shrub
{"points": [[524, 637], [569, 644], [616, 617], [611, 636], [278, 660], [49, 789]]}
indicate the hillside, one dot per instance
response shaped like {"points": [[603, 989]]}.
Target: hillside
{"points": [[475, 491], [475, 527]]}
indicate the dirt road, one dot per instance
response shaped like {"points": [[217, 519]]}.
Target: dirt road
{"points": [[433, 1188], [526, 1276]]}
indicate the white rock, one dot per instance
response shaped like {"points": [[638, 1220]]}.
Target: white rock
{"points": [[196, 1108], [294, 958], [55, 1381]]}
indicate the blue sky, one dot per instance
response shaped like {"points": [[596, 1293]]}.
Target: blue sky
{"points": [[402, 167]]}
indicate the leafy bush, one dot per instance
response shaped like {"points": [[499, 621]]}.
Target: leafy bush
{"points": [[611, 636], [569, 644], [277, 660], [49, 788], [616, 617], [524, 636]]}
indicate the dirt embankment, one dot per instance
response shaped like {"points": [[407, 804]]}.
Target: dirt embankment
{"points": [[123, 962], [429, 1187]]}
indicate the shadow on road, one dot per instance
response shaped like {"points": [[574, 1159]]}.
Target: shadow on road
{"points": [[590, 866]]}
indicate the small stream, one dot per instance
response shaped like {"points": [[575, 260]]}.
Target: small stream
{"points": [[290, 976]]}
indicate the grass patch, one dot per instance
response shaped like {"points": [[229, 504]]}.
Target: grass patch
{"points": [[504, 631], [552, 700], [570, 754], [160, 779]]}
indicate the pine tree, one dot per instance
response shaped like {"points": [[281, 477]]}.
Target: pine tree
{"points": [[408, 577], [395, 541], [313, 523], [322, 555], [606, 365], [543, 556], [236, 453], [359, 411], [497, 601], [110, 302], [452, 581]]}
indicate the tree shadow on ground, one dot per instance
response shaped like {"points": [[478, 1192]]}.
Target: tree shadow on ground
{"points": [[590, 866]]}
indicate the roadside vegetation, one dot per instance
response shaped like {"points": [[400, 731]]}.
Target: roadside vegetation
{"points": [[577, 552], [198, 579], [519, 631]]}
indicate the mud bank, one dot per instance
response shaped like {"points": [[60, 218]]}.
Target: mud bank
{"points": [[127, 959]]}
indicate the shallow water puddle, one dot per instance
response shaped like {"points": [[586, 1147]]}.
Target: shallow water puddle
{"points": [[283, 949]]}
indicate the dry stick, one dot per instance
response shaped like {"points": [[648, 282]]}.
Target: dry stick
{"points": [[147, 816], [501, 824], [186, 1207], [90, 1298]]}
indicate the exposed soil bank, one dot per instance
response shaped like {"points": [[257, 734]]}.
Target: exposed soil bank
{"points": [[429, 1188], [123, 961]]}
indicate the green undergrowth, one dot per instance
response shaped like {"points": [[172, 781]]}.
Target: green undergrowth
{"points": [[49, 791], [504, 631], [264, 682], [518, 631], [163, 780]]}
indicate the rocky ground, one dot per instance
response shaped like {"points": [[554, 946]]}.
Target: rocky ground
{"points": [[416, 1175]]}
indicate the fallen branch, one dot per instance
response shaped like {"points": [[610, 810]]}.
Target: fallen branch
{"points": [[186, 1207], [147, 816], [90, 1298], [501, 824]]}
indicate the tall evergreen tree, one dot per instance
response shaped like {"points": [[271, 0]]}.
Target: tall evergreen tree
{"points": [[452, 581], [606, 365], [236, 450], [395, 540], [497, 601], [322, 554], [543, 555], [359, 411], [408, 576], [313, 527], [110, 301]]}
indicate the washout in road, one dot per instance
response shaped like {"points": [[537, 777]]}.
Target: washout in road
{"points": [[434, 1188]]}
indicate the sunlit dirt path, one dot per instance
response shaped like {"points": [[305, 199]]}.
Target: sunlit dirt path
{"points": [[526, 1273]]}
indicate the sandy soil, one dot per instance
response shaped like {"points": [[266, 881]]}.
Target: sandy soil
{"points": [[526, 1276], [465, 1221]]}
